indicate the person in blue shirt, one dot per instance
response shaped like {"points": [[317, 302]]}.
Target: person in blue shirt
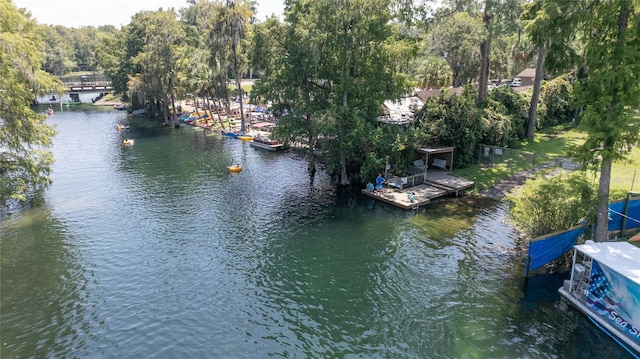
{"points": [[379, 182]]}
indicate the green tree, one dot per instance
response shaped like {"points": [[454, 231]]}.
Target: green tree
{"points": [[557, 100], [610, 92], [287, 56], [550, 24], [552, 204], [434, 73], [156, 41], [498, 17], [58, 52], [24, 135], [111, 59], [85, 42], [506, 117], [117, 54], [339, 62], [231, 35], [456, 39], [452, 120]]}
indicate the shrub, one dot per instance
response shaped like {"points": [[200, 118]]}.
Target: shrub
{"points": [[504, 104], [556, 97], [551, 204], [452, 120]]}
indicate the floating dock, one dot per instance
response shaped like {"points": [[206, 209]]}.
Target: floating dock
{"points": [[437, 183]]}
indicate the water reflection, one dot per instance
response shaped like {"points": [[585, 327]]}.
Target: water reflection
{"points": [[156, 250], [43, 302]]}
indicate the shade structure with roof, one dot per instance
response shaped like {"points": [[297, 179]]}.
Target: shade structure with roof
{"points": [[438, 154], [431, 179]]}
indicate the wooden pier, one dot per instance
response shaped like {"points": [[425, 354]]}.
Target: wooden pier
{"points": [[437, 184]]}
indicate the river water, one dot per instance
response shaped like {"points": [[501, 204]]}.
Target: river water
{"points": [[156, 250]]}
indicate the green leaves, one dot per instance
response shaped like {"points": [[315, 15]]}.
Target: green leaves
{"points": [[434, 73], [24, 135], [611, 90], [548, 205], [333, 63], [452, 120]]}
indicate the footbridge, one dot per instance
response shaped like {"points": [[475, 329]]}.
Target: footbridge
{"points": [[87, 83]]}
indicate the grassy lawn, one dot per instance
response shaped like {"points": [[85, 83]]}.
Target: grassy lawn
{"points": [[556, 142], [624, 174]]}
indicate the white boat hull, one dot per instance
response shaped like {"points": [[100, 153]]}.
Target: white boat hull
{"points": [[605, 285], [266, 146]]}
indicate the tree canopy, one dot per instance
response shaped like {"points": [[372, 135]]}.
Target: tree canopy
{"points": [[24, 135], [327, 67], [610, 91]]}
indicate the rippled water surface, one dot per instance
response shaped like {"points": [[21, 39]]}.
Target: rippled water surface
{"points": [[156, 250]]}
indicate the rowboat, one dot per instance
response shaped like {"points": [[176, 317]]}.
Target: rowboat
{"points": [[266, 144]]}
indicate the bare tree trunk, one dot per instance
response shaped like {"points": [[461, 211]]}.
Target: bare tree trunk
{"points": [[533, 107], [218, 107], [485, 48], [516, 48], [173, 103], [602, 220], [165, 110], [207, 110], [242, 124], [311, 157], [344, 180], [483, 83], [217, 111]]}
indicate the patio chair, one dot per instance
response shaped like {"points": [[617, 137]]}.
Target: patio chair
{"points": [[439, 163]]}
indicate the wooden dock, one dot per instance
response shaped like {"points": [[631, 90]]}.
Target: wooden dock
{"points": [[437, 184]]}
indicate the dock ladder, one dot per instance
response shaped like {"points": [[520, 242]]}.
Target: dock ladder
{"points": [[585, 279]]}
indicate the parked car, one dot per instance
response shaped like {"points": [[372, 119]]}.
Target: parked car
{"points": [[516, 82]]}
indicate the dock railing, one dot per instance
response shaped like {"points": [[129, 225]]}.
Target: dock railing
{"points": [[407, 181]]}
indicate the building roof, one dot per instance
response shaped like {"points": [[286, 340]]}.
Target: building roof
{"points": [[424, 95], [530, 72]]}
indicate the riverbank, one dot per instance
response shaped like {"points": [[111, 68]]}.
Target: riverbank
{"points": [[108, 100]]}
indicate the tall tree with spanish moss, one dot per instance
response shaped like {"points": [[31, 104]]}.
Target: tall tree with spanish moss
{"points": [[339, 61]]}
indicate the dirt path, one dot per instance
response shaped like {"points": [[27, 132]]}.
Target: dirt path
{"points": [[504, 187]]}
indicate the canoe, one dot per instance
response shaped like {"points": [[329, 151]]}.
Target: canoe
{"points": [[229, 134]]}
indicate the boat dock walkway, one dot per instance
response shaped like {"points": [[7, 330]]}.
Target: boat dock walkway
{"points": [[437, 184]]}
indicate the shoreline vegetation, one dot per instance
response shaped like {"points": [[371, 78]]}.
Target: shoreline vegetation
{"points": [[332, 92], [499, 180]]}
